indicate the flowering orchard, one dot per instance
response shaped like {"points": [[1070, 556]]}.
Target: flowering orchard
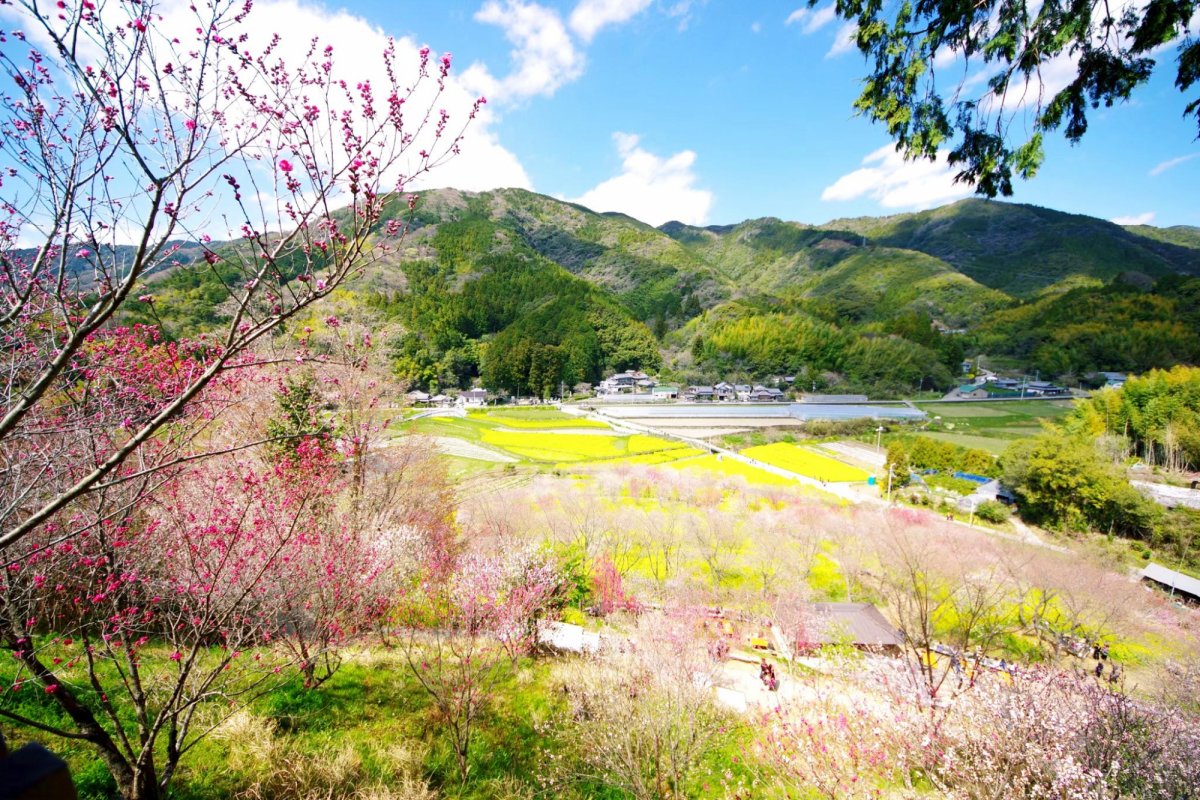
{"points": [[140, 580], [125, 129]]}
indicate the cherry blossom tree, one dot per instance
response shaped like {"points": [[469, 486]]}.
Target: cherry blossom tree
{"points": [[643, 715], [132, 134], [465, 624], [145, 630], [129, 129]]}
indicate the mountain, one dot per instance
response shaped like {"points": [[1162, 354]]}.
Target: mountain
{"points": [[1022, 249], [1181, 235], [528, 293]]}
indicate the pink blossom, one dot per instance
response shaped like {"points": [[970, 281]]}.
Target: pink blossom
{"points": [[285, 166]]}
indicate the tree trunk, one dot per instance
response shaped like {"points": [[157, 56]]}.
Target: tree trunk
{"points": [[139, 783]]}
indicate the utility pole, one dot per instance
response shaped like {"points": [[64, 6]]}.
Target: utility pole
{"points": [[891, 472], [878, 436]]}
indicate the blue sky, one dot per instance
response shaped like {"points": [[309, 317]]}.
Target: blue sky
{"points": [[715, 111]]}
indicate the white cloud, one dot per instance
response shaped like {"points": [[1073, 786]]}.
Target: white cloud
{"points": [[484, 162], [812, 21], [1135, 219], [682, 11], [1171, 164], [591, 15], [651, 188], [843, 40], [895, 183], [756, 27], [544, 56]]}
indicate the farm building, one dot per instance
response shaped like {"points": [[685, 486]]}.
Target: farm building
{"points": [[1184, 586], [858, 624]]}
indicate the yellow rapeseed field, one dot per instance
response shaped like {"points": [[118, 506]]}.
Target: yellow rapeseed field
{"points": [[805, 462], [567, 447]]}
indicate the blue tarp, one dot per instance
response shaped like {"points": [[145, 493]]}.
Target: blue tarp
{"points": [[967, 476]]}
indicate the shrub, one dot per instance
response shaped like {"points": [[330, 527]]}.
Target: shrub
{"points": [[993, 511]]}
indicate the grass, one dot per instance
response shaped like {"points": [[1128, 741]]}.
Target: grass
{"points": [[992, 426], [995, 446], [806, 462]]}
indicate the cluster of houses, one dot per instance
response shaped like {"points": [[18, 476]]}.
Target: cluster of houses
{"points": [[639, 383], [1011, 387], [733, 392], [468, 397]]}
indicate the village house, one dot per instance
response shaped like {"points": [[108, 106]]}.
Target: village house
{"points": [[724, 392], [418, 398], [742, 391], [700, 394], [762, 394], [632, 382], [473, 398]]}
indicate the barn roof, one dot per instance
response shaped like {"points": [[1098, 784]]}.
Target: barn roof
{"points": [[861, 623]]}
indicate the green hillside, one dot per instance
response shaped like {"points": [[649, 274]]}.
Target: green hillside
{"points": [[1182, 235], [528, 293], [1021, 249]]}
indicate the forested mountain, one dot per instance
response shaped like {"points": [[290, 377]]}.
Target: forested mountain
{"points": [[1022, 249], [529, 293]]}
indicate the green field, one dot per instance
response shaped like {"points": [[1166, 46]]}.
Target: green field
{"points": [[805, 462], [991, 426]]}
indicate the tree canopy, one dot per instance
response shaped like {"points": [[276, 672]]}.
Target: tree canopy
{"points": [[1043, 65]]}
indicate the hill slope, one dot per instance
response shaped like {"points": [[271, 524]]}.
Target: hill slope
{"points": [[528, 292], [1021, 249]]}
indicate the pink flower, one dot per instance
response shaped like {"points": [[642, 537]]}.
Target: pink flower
{"points": [[190, 124], [285, 166], [176, 655], [83, 252], [52, 688]]}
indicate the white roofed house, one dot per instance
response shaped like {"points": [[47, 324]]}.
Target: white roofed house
{"points": [[724, 391], [473, 397], [619, 383], [742, 391]]}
